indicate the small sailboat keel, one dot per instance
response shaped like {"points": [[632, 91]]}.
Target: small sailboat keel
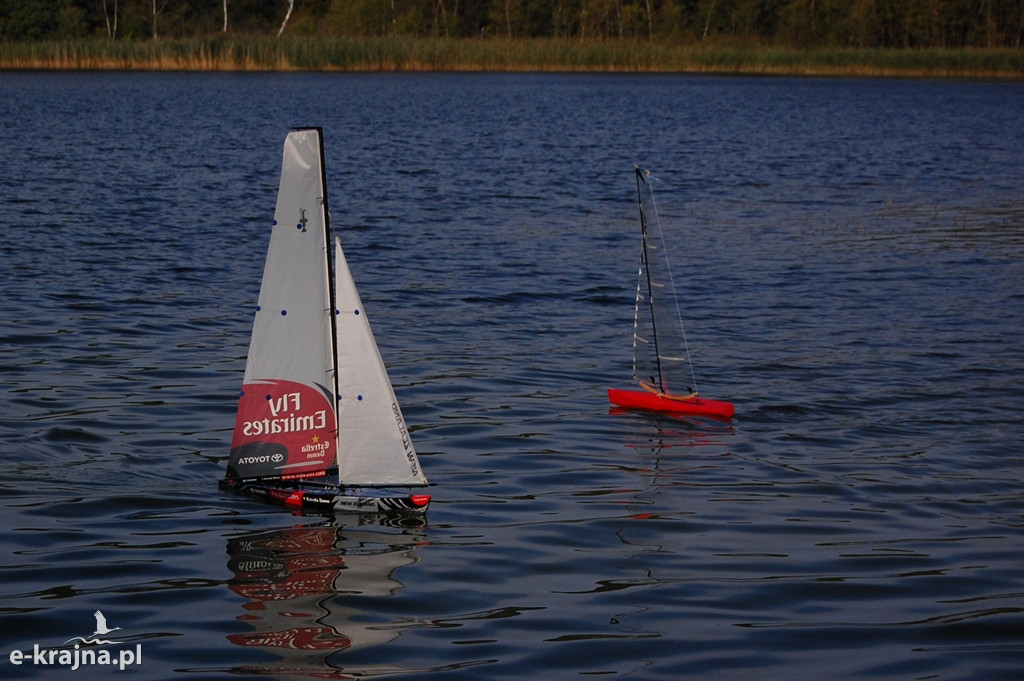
{"points": [[661, 357], [316, 400]]}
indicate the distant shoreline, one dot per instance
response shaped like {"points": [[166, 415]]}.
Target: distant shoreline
{"points": [[261, 54]]}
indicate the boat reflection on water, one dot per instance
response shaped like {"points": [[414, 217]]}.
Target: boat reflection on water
{"points": [[300, 581], [666, 451], [655, 432]]}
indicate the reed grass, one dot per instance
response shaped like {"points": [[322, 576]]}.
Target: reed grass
{"points": [[239, 53]]}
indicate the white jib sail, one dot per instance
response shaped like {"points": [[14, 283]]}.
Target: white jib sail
{"points": [[373, 440]]}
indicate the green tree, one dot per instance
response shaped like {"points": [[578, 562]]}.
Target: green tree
{"points": [[29, 19], [854, 23], [71, 21], [360, 17]]}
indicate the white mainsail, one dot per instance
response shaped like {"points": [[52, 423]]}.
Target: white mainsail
{"points": [[661, 361], [374, 443], [286, 424]]}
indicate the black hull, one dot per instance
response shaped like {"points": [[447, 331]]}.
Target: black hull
{"points": [[328, 500]]}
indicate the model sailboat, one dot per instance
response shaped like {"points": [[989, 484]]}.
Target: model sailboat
{"points": [[661, 359], [316, 399]]}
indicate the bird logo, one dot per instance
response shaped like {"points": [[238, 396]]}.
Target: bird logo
{"points": [[101, 630]]}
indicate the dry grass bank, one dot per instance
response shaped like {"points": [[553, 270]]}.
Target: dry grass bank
{"points": [[409, 54]]}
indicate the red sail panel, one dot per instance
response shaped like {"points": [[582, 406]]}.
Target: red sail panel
{"points": [[283, 429]]}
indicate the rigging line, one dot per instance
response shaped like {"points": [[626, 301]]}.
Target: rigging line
{"points": [[672, 284]]}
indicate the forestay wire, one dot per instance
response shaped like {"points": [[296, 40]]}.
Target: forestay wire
{"points": [[668, 269]]}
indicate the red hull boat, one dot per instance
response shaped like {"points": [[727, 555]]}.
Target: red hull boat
{"points": [[697, 406], [661, 358]]}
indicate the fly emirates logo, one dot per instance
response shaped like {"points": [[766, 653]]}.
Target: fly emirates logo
{"points": [[285, 417]]}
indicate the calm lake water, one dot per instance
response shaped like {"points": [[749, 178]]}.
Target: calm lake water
{"points": [[851, 262]]}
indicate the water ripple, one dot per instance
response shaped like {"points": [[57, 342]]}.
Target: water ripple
{"points": [[852, 281]]}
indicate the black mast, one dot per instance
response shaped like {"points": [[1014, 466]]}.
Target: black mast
{"points": [[333, 316]]}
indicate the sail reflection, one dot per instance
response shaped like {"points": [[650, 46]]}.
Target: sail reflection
{"points": [[298, 580]]}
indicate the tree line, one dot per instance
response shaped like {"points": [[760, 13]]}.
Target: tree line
{"points": [[803, 23]]}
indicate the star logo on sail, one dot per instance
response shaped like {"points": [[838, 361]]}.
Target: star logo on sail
{"points": [[315, 447]]}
